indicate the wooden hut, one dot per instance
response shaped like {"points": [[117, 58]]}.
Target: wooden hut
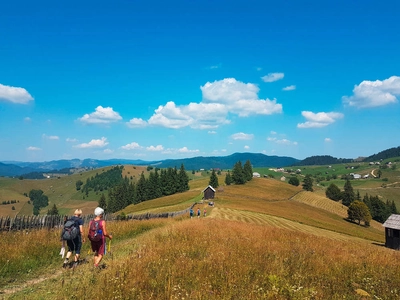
{"points": [[209, 193], [392, 232]]}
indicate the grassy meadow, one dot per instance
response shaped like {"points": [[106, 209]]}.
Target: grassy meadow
{"points": [[263, 240], [387, 187]]}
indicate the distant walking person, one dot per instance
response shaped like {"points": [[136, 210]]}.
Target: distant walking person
{"points": [[191, 213], [205, 212], [97, 235], [198, 212], [74, 237]]}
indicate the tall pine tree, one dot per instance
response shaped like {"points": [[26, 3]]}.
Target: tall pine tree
{"points": [[228, 178], [248, 171], [183, 180], [213, 179], [348, 195], [238, 176]]}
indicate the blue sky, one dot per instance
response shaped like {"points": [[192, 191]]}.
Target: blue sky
{"points": [[156, 80]]}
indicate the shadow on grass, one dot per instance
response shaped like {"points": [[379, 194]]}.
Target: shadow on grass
{"points": [[378, 244], [350, 221]]}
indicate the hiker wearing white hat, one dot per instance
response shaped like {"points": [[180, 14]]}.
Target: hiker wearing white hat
{"points": [[97, 235]]}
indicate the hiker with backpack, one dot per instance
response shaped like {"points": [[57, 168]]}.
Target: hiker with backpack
{"points": [[97, 235], [72, 233]]}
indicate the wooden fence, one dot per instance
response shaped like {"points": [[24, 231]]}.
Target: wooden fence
{"points": [[49, 222]]}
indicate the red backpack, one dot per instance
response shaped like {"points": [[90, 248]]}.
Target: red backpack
{"points": [[95, 232]]}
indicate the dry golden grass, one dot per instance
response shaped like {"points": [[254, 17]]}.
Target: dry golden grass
{"points": [[220, 259], [280, 222], [264, 240], [324, 203]]}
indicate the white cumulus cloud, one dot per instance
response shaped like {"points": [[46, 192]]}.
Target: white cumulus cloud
{"points": [[31, 148], [239, 98], [317, 120], [136, 123], [155, 148], [14, 94], [102, 115], [242, 136], [50, 137], [220, 99], [328, 140], [71, 140], [186, 150], [374, 93], [271, 77], [281, 141], [131, 146], [247, 147], [99, 143], [289, 88]]}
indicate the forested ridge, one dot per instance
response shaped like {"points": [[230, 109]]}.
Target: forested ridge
{"points": [[125, 191]]}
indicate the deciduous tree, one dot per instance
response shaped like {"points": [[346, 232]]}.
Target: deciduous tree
{"points": [[308, 183], [294, 181], [358, 211], [333, 192]]}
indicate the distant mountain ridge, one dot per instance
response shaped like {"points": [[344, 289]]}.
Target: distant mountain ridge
{"points": [[392, 152], [323, 160], [15, 168], [195, 163], [227, 162]]}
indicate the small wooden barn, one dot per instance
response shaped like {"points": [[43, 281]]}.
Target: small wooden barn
{"points": [[392, 232], [209, 193]]}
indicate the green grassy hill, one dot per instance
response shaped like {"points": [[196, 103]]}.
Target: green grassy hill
{"points": [[387, 187]]}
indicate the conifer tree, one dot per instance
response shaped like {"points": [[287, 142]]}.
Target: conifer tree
{"points": [[213, 179], [102, 202], [183, 180], [53, 211], [141, 189], [348, 194], [228, 178], [157, 184], [238, 176], [248, 171]]}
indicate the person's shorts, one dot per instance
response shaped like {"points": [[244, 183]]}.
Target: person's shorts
{"points": [[75, 245], [98, 247]]}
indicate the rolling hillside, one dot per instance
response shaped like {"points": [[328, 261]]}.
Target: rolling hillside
{"points": [[266, 237]]}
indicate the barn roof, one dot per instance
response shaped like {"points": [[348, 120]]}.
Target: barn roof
{"points": [[210, 188], [393, 222]]}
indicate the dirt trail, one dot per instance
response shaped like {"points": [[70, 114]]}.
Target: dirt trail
{"points": [[19, 287]]}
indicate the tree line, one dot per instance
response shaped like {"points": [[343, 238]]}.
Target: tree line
{"points": [[365, 209], [101, 182], [157, 184]]}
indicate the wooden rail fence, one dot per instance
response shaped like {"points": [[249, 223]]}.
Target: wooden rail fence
{"points": [[50, 222]]}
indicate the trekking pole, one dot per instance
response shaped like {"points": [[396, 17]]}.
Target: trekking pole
{"points": [[109, 247]]}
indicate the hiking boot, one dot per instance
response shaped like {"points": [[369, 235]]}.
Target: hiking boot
{"points": [[65, 264], [75, 264]]}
